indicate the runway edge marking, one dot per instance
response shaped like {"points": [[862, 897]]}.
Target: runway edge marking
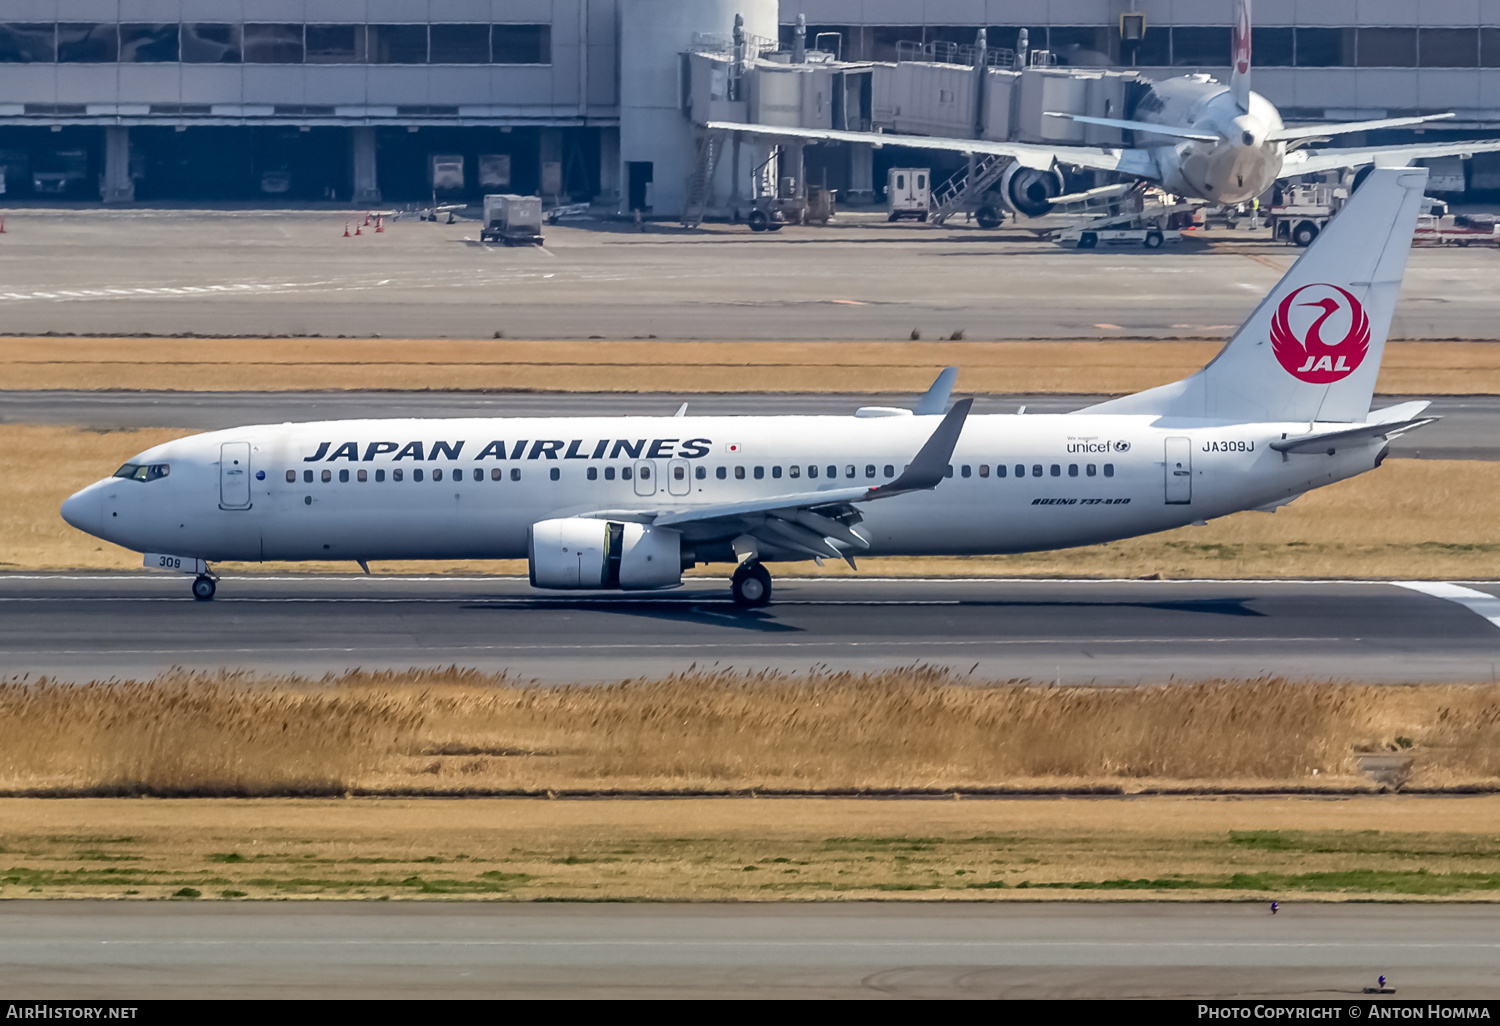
{"points": [[1478, 602]]}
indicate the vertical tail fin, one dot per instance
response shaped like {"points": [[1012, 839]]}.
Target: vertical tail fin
{"points": [[1239, 70], [1311, 350]]}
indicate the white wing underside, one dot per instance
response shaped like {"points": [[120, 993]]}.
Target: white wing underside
{"points": [[1334, 158]]}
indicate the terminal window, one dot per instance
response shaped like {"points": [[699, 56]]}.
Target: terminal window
{"points": [[273, 44], [83, 43], [210, 44], [398, 44], [335, 44], [148, 44], [27, 44], [460, 44], [521, 44]]}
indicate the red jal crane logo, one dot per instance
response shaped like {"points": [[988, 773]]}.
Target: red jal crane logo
{"points": [[1305, 334], [1242, 41]]}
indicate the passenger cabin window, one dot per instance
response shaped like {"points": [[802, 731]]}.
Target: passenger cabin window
{"points": [[343, 477], [479, 473], [1056, 470], [722, 473], [593, 473], [397, 474], [416, 475], [869, 470], [948, 470], [364, 475], [794, 471], [555, 473], [812, 470], [900, 181], [700, 473], [307, 476], [775, 472], [921, 181], [437, 474], [624, 473], [760, 472], [1091, 470], [291, 477], [984, 470], [1109, 470], [964, 470], [1072, 470], [497, 474], [328, 476], [379, 476], [609, 473], [999, 469], [515, 473], [1036, 470], [739, 473], [890, 470]]}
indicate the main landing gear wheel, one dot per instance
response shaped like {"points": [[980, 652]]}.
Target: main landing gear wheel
{"points": [[751, 585], [204, 587]]}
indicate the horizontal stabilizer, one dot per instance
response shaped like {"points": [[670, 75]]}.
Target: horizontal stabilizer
{"points": [[1135, 126], [1345, 127], [1331, 441]]}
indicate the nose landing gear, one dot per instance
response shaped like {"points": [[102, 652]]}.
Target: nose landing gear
{"points": [[204, 587], [750, 585]]}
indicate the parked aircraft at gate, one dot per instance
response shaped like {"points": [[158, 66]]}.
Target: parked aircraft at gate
{"points": [[1194, 137], [629, 502]]}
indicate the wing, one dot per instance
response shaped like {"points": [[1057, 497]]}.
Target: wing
{"points": [[817, 523], [1346, 127], [1333, 158], [1096, 158]]}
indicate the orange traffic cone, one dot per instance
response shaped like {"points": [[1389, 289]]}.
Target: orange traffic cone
{"points": [[2, 224], [379, 223], [346, 229], [367, 219], [357, 230]]}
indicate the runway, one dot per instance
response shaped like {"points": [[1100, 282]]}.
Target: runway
{"points": [[1470, 428], [137, 950], [82, 627]]}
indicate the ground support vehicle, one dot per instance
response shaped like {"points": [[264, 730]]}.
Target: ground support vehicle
{"points": [[512, 220]]}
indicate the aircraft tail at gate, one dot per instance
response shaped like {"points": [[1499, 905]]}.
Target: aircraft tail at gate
{"points": [[1311, 350]]}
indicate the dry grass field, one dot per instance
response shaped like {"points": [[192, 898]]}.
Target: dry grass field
{"points": [[684, 367], [1389, 847], [460, 732], [1410, 518], [421, 751]]}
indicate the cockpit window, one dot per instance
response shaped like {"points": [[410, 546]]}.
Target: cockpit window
{"points": [[144, 471]]}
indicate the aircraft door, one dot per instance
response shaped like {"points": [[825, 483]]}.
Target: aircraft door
{"points": [[1179, 471], [645, 477], [234, 475], [679, 477]]}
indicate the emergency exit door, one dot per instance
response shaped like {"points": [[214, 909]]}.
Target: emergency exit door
{"points": [[1179, 471], [234, 475], [679, 477], [645, 477]]}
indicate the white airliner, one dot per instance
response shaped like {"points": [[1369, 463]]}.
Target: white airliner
{"points": [[629, 502], [1194, 137]]}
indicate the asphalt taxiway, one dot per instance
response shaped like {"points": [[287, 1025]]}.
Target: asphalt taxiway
{"points": [[1328, 953], [97, 626], [265, 272], [1469, 430]]}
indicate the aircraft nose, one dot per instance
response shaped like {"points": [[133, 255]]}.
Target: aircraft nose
{"points": [[85, 509]]}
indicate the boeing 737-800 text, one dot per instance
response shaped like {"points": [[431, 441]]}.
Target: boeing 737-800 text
{"points": [[630, 502]]}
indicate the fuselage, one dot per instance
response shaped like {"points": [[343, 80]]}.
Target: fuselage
{"points": [[471, 489], [1242, 164]]}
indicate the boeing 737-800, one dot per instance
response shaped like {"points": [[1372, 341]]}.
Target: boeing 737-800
{"points": [[1194, 137], [631, 502]]}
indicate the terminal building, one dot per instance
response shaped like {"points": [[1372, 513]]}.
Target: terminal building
{"points": [[400, 101]]}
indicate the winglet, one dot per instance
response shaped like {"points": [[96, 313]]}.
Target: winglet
{"points": [[930, 465], [936, 400]]}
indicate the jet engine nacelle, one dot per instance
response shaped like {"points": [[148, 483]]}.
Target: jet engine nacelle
{"points": [[1030, 191], [578, 552]]}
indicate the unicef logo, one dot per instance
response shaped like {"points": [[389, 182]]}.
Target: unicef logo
{"points": [[1122, 447]]}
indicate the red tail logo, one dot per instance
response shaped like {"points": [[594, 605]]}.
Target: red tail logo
{"points": [[1298, 334], [1242, 41]]}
